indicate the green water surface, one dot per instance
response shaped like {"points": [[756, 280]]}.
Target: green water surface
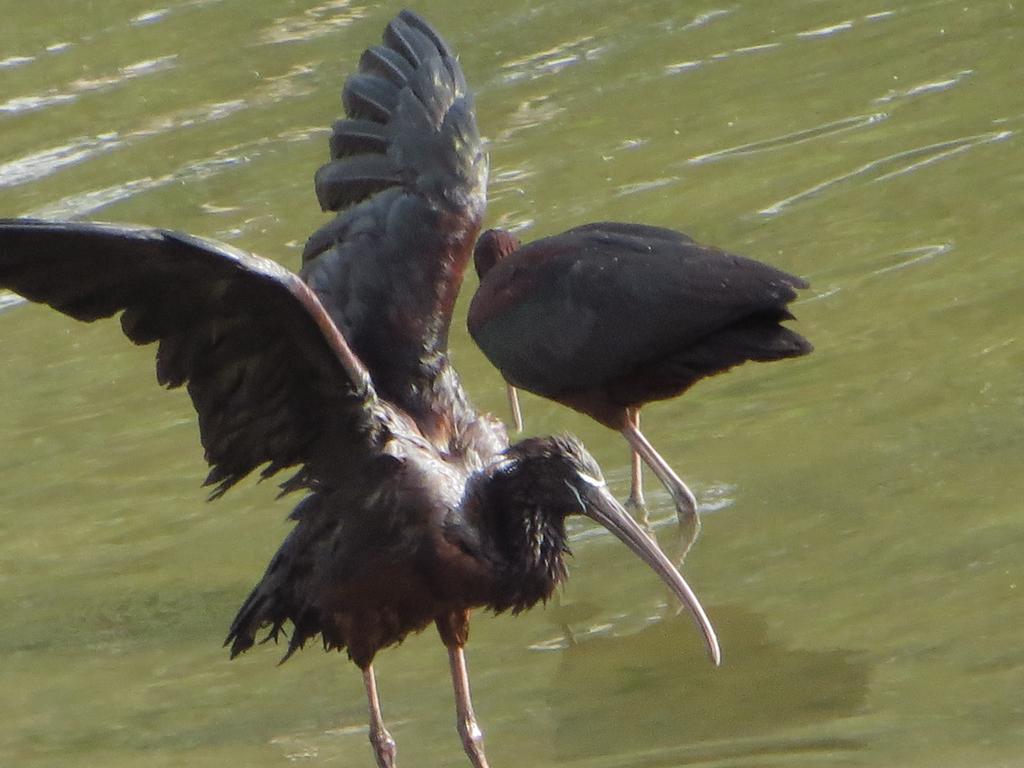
{"points": [[862, 555]]}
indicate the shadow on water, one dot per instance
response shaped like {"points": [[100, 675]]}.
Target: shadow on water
{"points": [[653, 693]]}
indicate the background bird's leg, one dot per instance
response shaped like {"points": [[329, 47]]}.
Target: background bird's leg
{"points": [[383, 745], [635, 502], [454, 630], [685, 501], [513, 403]]}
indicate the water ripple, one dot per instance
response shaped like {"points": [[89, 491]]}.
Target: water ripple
{"points": [[318, 21], [791, 139], [703, 19], [36, 101], [38, 165], [150, 17], [854, 274], [757, 48], [874, 171], [645, 186], [511, 176], [931, 86], [87, 203], [552, 60], [682, 66], [15, 61], [827, 31], [744, 50], [911, 256], [21, 104], [832, 29], [125, 74], [529, 114], [505, 183], [42, 163]]}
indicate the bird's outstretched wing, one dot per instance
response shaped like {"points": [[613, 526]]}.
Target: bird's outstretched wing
{"points": [[567, 312], [272, 379], [407, 177]]}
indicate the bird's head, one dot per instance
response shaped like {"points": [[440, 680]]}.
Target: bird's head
{"points": [[539, 482], [493, 246]]}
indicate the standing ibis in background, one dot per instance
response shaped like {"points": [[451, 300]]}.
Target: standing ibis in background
{"points": [[416, 509], [608, 316]]}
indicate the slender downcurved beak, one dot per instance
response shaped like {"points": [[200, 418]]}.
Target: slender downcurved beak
{"points": [[601, 506], [513, 404]]}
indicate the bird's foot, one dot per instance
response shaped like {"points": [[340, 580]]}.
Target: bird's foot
{"points": [[384, 748], [473, 741], [570, 636], [688, 530], [636, 506]]}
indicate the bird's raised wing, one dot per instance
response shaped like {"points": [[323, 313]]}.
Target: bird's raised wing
{"points": [[408, 180], [575, 310], [272, 379]]}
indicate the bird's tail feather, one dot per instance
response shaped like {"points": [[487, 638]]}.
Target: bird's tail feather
{"points": [[280, 597]]}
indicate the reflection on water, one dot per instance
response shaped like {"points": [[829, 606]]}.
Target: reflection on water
{"points": [[652, 693]]}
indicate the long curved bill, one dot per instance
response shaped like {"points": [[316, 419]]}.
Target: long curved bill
{"points": [[602, 507]]}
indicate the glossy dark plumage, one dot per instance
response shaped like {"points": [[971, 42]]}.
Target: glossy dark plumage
{"points": [[416, 509], [609, 316], [407, 176]]}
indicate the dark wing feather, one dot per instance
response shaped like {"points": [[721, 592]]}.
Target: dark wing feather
{"points": [[407, 179], [271, 378], [580, 309], [613, 229]]}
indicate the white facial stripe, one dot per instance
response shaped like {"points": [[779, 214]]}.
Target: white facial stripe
{"points": [[591, 480], [579, 499]]}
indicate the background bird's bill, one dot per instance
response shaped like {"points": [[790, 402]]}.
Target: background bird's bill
{"points": [[513, 404]]}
